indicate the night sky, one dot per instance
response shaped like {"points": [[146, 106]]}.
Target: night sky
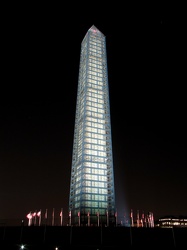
{"points": [[39, 78]]}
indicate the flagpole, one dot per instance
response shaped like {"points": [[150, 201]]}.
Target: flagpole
{"points": [[142, 219], [107, 221], [45, 224], [145, 220], [35, 218], [70, 217], [53, 216], [29, 216], [34, 215], [46, 216], [132, 222], [98, 219], [39, 215], [137, 223], [79, 218], [151, 219], [116, 215], [88, 218], [124, 220], [61, 217]]}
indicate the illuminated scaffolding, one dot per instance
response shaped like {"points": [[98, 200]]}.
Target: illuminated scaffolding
{"points": [[92, 194]]}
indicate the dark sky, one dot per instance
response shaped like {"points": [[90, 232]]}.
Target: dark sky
{"points": [[147, 78]]}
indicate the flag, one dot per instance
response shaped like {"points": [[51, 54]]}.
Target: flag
{"points": [[29, 216], [34, 214], [39, 213]]}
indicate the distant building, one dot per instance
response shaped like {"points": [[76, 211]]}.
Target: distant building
{"points": [[92, 194], [171, 221]]}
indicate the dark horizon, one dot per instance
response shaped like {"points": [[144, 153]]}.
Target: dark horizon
{"points": [[90, 237], [146, 76]]}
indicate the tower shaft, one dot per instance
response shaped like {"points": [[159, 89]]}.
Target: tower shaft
{"points": [[92, 194]]}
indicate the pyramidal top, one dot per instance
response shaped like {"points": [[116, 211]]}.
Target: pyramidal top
{"points": [[94, 29]]}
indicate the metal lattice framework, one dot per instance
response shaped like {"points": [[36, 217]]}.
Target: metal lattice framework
{"points": [[92, 195]]}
